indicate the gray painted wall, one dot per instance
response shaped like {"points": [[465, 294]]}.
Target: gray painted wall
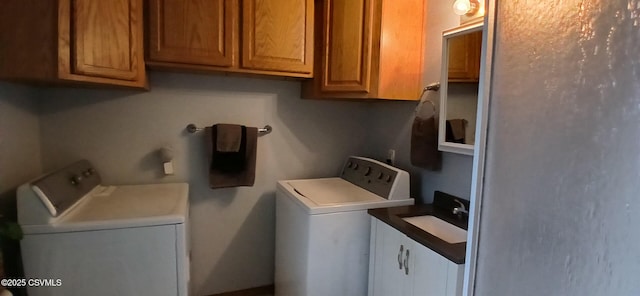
{"points": [[391, 121], [561, 196], [462, 102], [19, 157], [19, 139], [232, 230]]}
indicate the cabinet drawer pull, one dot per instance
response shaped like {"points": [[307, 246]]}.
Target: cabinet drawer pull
{"points": [[400, 257], [406, 263]]}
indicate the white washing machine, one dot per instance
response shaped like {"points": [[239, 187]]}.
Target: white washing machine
{"points": [[323, 229], [82, 238]]}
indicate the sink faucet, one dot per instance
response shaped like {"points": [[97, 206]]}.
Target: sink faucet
{"points": [[461, 210]]}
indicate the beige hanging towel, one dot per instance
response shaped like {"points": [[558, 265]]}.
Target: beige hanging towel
{"points": [[232, 155]]}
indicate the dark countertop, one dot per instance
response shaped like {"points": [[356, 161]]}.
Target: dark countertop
{"points": [[393, 217]]}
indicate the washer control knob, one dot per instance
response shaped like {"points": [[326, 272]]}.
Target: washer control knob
{"points": [[380, 175], [355, 166], [75, 180], [388, 178], [349, 164], [88, 172], [367, 172]]}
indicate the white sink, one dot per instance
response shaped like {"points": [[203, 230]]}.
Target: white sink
{"points": [[439, 228]]}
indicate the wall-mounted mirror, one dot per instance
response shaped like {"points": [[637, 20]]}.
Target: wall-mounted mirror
{"points": [[461, 54]]}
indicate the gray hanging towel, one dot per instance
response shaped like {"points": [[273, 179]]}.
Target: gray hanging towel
{"points": [[232, 155], [456, 131], [424, 133], [424, 144]]}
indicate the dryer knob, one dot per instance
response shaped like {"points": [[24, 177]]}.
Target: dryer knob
{"points": [[368, 171], [349, 164], [355, 166]]}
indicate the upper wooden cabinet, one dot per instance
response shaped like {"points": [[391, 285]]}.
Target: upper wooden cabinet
{"points": [[79, 41], [464, 57], [368, 49], [200, 32], [275, 37]]}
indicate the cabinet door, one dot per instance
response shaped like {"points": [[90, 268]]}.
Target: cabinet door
{"points": [[106, 37], [277, 35], [347, 45], [455, 279], [428, 271], [464, 57], [390, 249], [200, 32]]}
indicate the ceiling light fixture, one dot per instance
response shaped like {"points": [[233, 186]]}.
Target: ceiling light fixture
{"points": [[466, 7]]}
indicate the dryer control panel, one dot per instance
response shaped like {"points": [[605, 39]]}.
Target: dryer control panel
{"points": [[42, 200], [377, 177]]}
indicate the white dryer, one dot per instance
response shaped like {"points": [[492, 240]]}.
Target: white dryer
{"points": [[89, 239], [323, 229]]}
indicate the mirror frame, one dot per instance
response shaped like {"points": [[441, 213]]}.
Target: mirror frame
{"points": [[443, 145]]}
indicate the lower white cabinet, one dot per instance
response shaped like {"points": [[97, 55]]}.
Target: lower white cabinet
{"points": [[399, 266]]}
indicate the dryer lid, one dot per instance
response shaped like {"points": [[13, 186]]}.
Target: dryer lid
{"points": [[125, 206]]}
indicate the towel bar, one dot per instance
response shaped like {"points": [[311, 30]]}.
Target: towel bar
{"points": [[192, 128]]}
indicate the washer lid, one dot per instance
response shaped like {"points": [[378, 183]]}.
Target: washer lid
{"points": [[123, 207], [332, 191], [333, 195]]}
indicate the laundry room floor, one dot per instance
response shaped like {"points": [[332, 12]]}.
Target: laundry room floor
{"points": [[259, 291]]}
